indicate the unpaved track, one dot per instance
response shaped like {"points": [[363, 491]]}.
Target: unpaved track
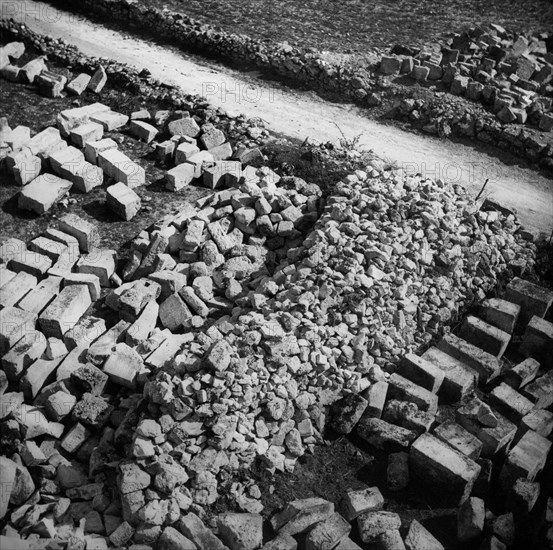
{"points": [[300, 114]]}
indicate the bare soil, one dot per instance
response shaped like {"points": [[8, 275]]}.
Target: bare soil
{"points": [[355, 26]]}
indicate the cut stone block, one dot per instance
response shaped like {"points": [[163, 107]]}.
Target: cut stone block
{"points": [[523, 496], [184, 127], [199, 161], [486, 365], [494, 439], [65, 311], [221, 152], [376, 398], [185, 150], [16, 323], [526, 459], [385, 436], [25, 167], [59, 405], [123, 201], [405, 390], [180, 176], [407, 415], [41, 296], [72, 362], [98, 80], [11, 248], [41, 372], [419, 538], [93, 148], [140, 330], [222, 173], [123, 365], [538, 420], [16, 288], [459, 378], [48, 247], [85, 232], [78, 85], [500, 313], [485, 336], [90, 131], [300, 515], [537, 340], [42, 193], [540, 391], [50, 84], [533, 299], [45, 143], [460, 439], [102, 348], [470, 519], [373, 524], [32, 263], [6, 275], [27, 349], [121, 168], [509, 402], [64, 156], [67, 240], [443, 468], [142, 130], [85, 332], [100, 262], [421, 372], [327, 534], [110, 120], [18, 137], [522, 374], [84, 175], [71, 118], [355, 503], [89, 279]]}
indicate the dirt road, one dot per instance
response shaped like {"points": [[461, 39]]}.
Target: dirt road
{"points": [[302, 114]]}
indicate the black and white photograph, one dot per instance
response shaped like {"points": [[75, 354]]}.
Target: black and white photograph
{"points": [[276, 275]]}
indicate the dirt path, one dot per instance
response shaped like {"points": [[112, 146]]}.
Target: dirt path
{"points": [[302, 114]]}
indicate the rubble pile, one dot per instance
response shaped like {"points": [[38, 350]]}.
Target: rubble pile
{"points": [[237, 324], [511, 73]]}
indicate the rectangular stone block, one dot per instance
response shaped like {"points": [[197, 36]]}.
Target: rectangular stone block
{"points": [[42, 193], [538, 420], [500, 313], [48, 247], [18, 137], [6, 275], [67, 155], [71, 118], [121, 168], [100, 262], [85, 332], [45, 143], [405, 390], [443, 468], [526, 459], [222, 173], [88, 279], [537, 341], [78, 85], [509, 402], [486, 365], [167, 350], [39, 374], [494, 439], [15, 323], [90, 131], [179, 176], [93, 148], [540, 391], [16, 288], [460, 439], [84, 175], [110, 120], [24, 166], [421, 372], [522, 374], [459, 378], [41, 295], [32, 263], [532, 299], [65, 311], [122, 200], [84, 231], [143, 130], [485, 336], [26, 350], [200, 161]]}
